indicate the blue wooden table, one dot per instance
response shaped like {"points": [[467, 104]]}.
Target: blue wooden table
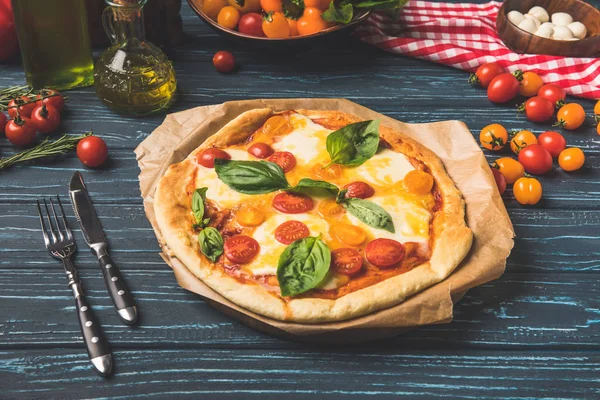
{"points": [[535, 332]]}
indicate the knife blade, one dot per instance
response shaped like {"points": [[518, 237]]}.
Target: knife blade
{"points": [[94, 236]]}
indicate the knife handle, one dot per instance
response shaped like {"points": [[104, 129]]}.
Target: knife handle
{"points": [[118, 290]]}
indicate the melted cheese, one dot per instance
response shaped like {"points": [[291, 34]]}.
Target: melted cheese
{"points": [[219, 192], [306, 142], [384, 168]]}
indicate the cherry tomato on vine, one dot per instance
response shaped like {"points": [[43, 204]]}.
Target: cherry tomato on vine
{"points": [[570, 116], [522, 139], [50, 97], [510, 168], [3, 121], [527, 191], [553, 93], [535, 159], [537, 109], [206, 158], [552, 141], [20, 131], [272, 5], [92, 151], [485, 73], [504, 87], [45, 118], [531, 84], [571, 159], [500, 180], [23, 104], [228, 17], [251, 24], [493, 137], [275, 25], [224, 61]]}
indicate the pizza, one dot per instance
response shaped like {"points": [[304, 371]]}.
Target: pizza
{"points": [[312, 216]]}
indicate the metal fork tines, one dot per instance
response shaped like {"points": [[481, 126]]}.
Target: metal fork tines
{"points": [[61, 245]]}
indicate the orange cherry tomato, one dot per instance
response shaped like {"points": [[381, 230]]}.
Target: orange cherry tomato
{"points": [[359, 190], [206, 158], [346, 261], [311, 22], [290, 231], [277, 125], [247, 7], [271, 5], [570, 116], [292, 203], [527, 190], [571, 159], [275, 25], [531, 84], [212, 7], [312, 12], [240, 249], [293, 27], [249, 216], [384, 253], [510, 168], [597, 108], [260, 150], [493, 137], [284, 159], [349, 234], [522, 139], [331, 172], [330, 208], [228, 17], [418, 182]]}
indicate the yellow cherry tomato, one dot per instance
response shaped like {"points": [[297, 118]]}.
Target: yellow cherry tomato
{"points": [[249, 216], [228, 17], [271, 5], [275, 25], [277, 125], [330, 208], [571, 159], [418, 182], [570, 116], [245, 6], [522, 139], [331, 172], [527, 190], [349, 234], [493, 137], [311, 21], [530, 84], [212, 7], [510, 168]]}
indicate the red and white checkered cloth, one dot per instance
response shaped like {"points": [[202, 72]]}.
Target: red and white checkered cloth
{"points": [[463, 36]]}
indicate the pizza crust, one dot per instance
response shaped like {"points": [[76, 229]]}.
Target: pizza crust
{"points": [[452, 241]]}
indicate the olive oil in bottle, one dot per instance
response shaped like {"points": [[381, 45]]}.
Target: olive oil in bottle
{"points": [[55, 43]]}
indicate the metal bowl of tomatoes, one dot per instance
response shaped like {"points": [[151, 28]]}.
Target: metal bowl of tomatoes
{"points": [[263, 23]]}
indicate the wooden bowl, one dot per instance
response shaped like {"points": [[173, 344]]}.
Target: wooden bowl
{"points": [[521, 41], [275, 43]]}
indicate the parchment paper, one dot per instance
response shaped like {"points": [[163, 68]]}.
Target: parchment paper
{"points": [[182, 132]]}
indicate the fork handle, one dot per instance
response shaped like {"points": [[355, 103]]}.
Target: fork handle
{"points": [[117, 288]]}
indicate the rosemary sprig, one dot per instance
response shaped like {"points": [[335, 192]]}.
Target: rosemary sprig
{"points": [[12, 92], [45, 149]]}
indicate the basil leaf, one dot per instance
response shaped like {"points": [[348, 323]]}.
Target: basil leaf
{"points": [[198, 199], [293, 9], [211, 243], [342, 13], [308, 184], [251, 177], [341, 196], [354, 144], [380, 4], [369, 213], [303, 265]]}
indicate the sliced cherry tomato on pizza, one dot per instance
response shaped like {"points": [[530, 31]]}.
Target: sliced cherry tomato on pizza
{"points": [[277, 125], [349, 234], [359, 190], [260, 150], [206, 158], [290, 231], [240, 249], [328, 173], [384, 253], [330, 208], [346, 261], [292, 203], [418, 182], [284, 159]]}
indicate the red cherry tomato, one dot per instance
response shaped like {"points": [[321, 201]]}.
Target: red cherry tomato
{"points": [[45, 118], [206, 158], [346, 261], [50, 97], [292, 203], [485, 73], [251, 24], [384, 253], [20, 131], [503, 88], [552, 141], [240, 249], [3, 121], [500, 180], [535, 159], [224, 61], [92, 151], [537, 109], [260, 150], [23, 104], [290, 231], [284, 159], [553, 93], [359, 189]]}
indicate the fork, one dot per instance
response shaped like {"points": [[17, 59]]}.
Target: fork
{"points": [[59, 242]]}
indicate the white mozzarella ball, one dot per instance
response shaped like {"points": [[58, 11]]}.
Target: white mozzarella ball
{"points": [[562, 33], [515, 17], [540, 13], [528, 25], [534, 19], [546, 25], [579, 30], [544, 32], [562, 19]]}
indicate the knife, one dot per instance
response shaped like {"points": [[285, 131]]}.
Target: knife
{"points": [[94, 237]]}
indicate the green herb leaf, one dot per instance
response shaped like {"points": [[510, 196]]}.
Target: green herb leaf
{"points": [[307, 184], [353, 144], [211, 243], [293, 9], [380, 4], [303, 265], [251, 177], [341, 13], [341, 196], [198, 199], [369, 213]]}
